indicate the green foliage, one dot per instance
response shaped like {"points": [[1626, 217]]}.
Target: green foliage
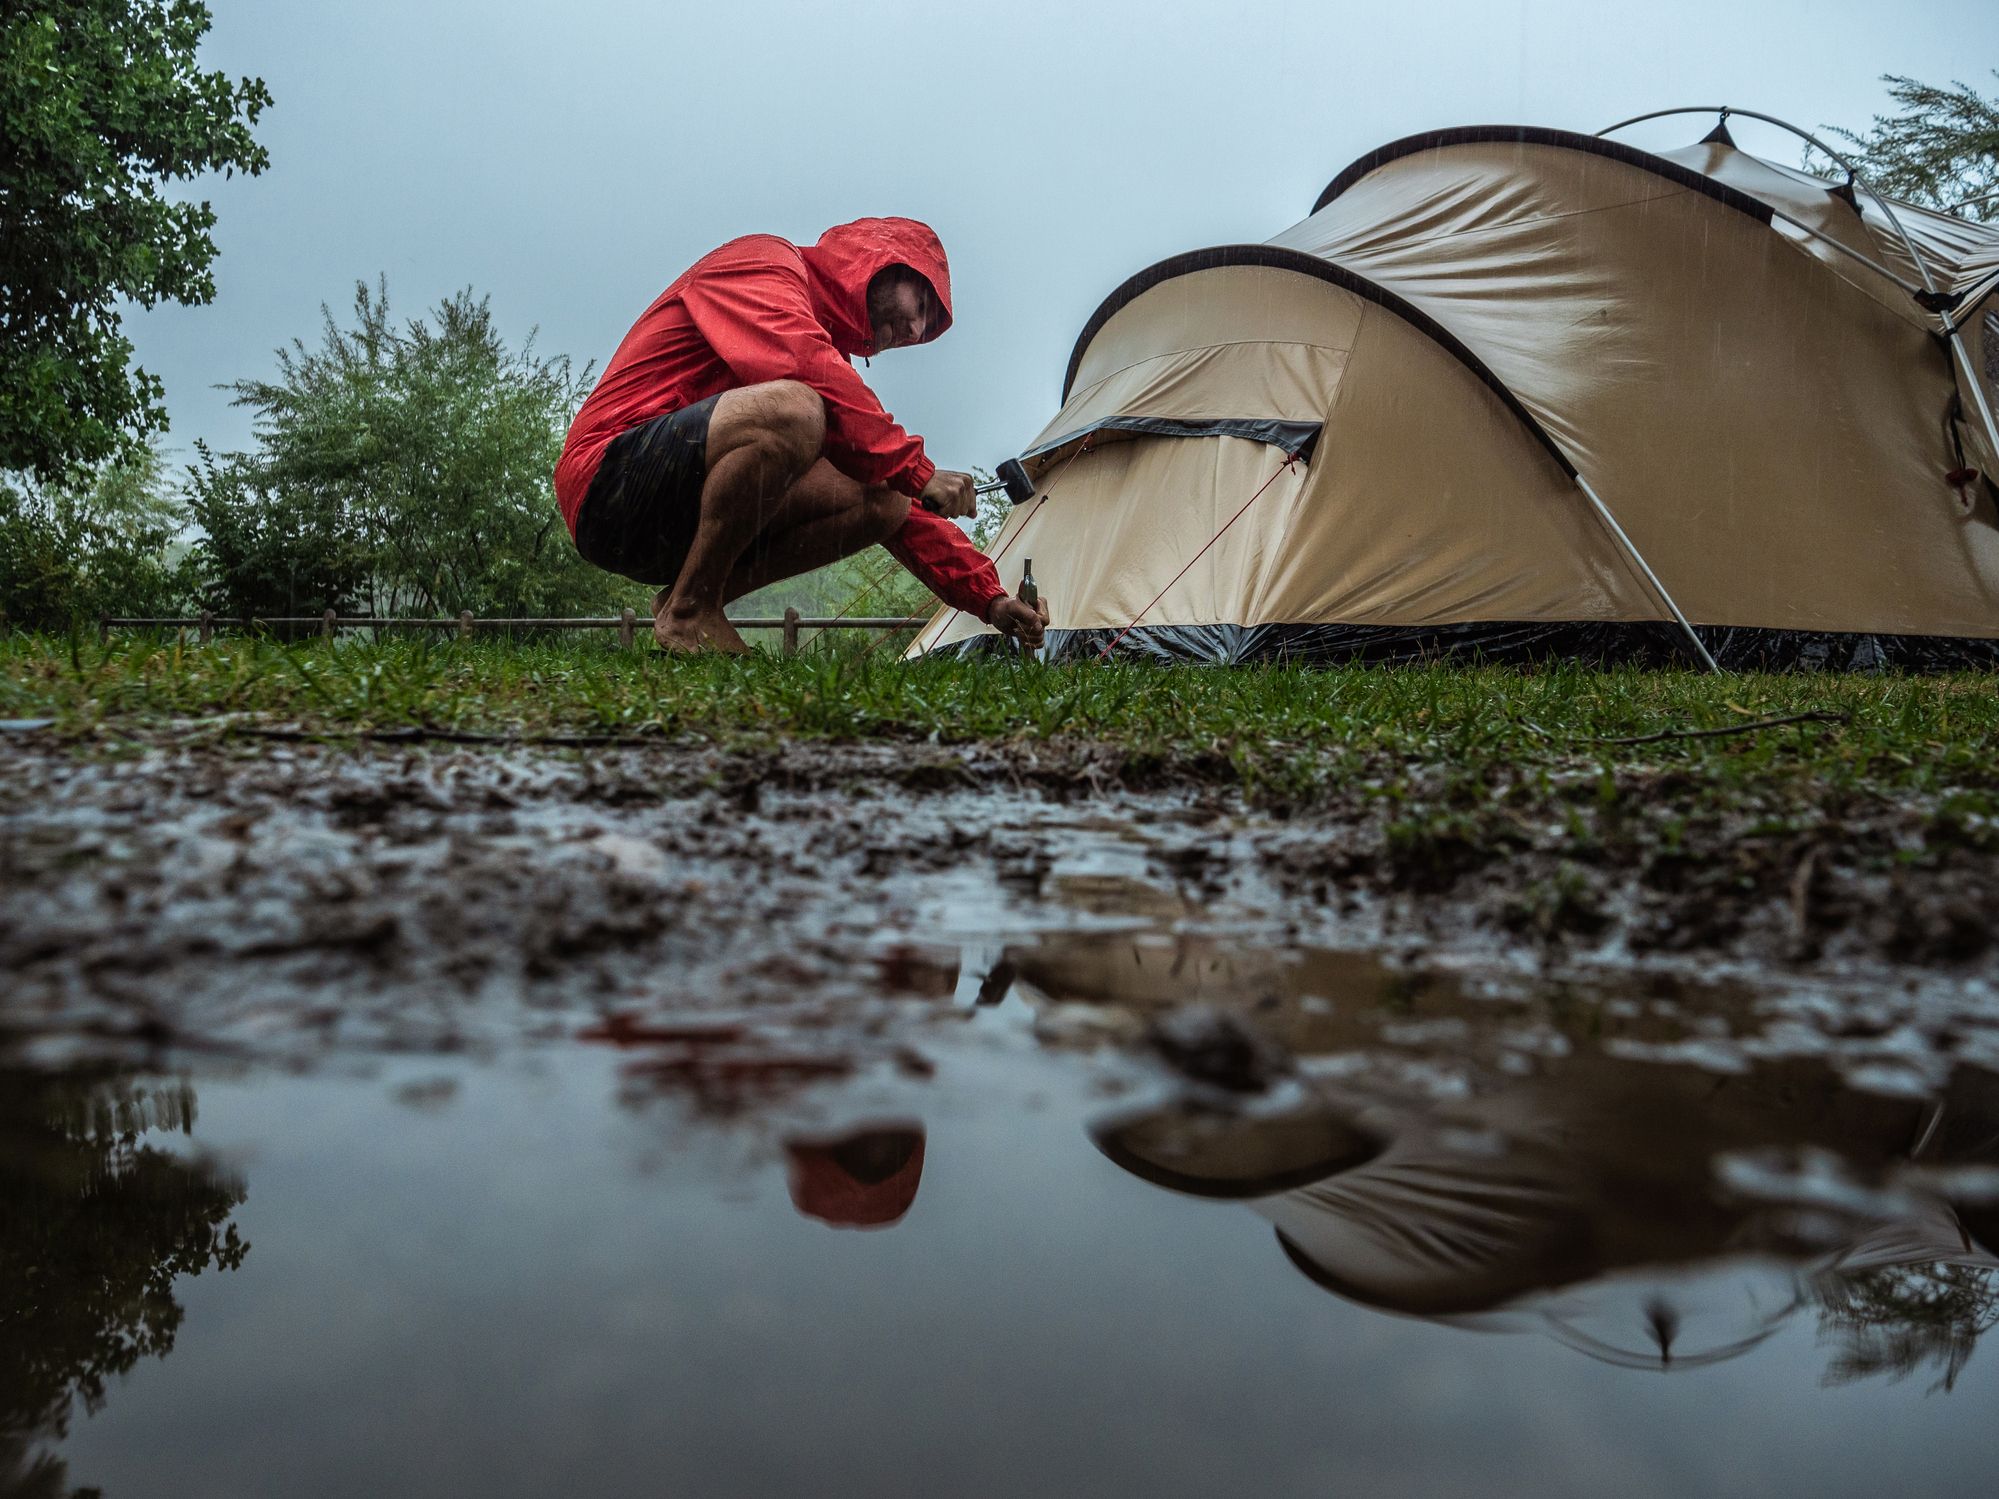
{"points": [[400, 471], [1939, 150], [72, 551], [266, 553], [101, 105]]}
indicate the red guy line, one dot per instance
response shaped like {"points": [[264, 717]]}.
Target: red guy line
{"points": [[1289, 460]]}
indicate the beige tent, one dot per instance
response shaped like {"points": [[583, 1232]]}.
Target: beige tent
{"points": [[1522, 391]]}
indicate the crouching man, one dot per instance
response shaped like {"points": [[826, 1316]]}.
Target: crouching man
{"points": [[730, 443]]}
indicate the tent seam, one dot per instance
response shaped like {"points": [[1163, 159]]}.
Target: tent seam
{"points": [[1232, 343]]}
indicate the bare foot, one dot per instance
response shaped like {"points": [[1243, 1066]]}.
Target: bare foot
{"points": [[693, 634]]}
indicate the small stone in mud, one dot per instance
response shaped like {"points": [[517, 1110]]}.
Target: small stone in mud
{"points": [[427, 1094], [1208, 1046]]}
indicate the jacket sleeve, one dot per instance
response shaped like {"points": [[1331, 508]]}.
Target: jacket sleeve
{"points": [[945, 561], [756, 314]]}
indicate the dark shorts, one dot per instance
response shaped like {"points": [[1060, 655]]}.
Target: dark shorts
{"points": [[639, 515]]}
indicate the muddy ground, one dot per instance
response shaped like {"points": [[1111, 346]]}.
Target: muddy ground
{"points": [[284, 899]]}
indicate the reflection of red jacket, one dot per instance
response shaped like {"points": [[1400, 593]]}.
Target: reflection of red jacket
{"points": [[864, 1179], [761, 308]]}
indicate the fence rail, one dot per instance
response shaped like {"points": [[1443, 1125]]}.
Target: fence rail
{"points": [[466, 625]]}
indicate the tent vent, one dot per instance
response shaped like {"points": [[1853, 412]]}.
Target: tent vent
{"points": [[1719, 136], [1293, 439], [1845, 193]]}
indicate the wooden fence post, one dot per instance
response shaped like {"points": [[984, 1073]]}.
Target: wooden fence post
{"points": [[465, 624], [625, 629], [104, 629], [205, 632], [791, 631], [326, 624]]}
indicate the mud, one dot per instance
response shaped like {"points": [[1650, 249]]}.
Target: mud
{"points": [[542, 1095], [298, 899]]}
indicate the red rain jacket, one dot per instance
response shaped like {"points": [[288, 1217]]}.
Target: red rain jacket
{"points": [[761, 308]]}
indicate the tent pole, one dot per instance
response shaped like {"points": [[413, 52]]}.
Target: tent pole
{"points": [[1852, 176], [1951, 326], [1826, 239], [1645, 567], [1977, 390]]}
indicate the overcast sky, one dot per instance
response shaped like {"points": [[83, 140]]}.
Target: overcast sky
{"points": [[570, 159]]}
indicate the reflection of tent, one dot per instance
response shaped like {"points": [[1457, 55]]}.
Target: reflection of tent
{"points": [[1585, 1203], [1545, 393]]}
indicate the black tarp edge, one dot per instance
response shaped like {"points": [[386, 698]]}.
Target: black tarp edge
{"points": [[1541, 135], [1591, 642]]}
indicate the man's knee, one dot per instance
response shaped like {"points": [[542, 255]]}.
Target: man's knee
{"points": [[792, 417]]}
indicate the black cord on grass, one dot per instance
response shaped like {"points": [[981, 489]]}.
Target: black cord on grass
{"points": [[1817, 715]]}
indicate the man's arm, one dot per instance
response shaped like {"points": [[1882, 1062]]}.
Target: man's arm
{"points": [[944, 560], [755, 311]]}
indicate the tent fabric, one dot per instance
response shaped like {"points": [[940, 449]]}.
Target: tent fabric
{"points": [[1339, 538], [1484, 321]]}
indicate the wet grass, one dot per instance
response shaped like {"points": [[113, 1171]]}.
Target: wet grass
{"points": [[1293, 731], [1517, 790]]}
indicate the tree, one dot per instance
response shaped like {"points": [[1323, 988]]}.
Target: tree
{"points": [[98, 1228], [264, 553], [101, 106], [1939, 151], [400, 470], [1896, 1319], [76, 549]]}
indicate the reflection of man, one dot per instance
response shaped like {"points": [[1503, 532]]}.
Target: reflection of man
{"points": [[730, 443], [866, 1178]]}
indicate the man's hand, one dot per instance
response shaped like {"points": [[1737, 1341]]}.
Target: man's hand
{"points": [[950, 495], [1019, 621]]}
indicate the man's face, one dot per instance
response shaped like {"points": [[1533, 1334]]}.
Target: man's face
{"points": [[901, 310]]}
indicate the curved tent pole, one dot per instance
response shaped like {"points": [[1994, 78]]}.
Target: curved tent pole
{"points": [[1950, 328], [1852, 175]]}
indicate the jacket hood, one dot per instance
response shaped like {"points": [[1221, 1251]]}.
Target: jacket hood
{"points": [[846, 259]]}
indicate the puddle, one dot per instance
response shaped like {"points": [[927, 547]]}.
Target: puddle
{"points": [[1068, 1166], [1457, 1243]]}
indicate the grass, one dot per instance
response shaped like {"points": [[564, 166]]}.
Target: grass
{"points": [[1421, 778], [1291, 730]]}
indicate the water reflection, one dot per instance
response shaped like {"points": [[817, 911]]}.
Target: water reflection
{"points": [[860, 1178], [1506, 1160], [96, 1225]]}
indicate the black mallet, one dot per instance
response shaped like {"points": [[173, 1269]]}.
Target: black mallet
{"points": [[1012, 477]]}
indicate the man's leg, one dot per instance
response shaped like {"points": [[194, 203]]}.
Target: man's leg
{"points": [[825, 517], [762, 440]]}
